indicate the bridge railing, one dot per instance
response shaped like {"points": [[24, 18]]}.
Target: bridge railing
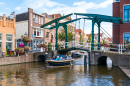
{"points": [[113, 47]]}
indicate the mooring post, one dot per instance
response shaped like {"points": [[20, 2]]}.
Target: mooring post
{"points": [[88, 60], [85, 57], [46, 56]]}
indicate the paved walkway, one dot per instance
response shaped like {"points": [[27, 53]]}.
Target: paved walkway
{"points": [[126, 70]]}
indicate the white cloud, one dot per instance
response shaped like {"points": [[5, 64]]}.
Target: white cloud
{"points": [[17, 9], [50, 7], [1, 3]]}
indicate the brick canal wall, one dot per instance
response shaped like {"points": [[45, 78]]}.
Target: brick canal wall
{"points": [[16, 59], [117, 59]]}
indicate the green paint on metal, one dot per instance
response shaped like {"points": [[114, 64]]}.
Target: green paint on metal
{"points": [[55, 20], [103, 18], [92, 44], [99, 35], [57, 26], [66, 36]]}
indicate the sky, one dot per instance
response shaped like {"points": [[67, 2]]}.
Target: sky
{"points": [[65, 7]]}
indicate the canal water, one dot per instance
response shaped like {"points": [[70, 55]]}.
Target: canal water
{"points": [[37, 74]]}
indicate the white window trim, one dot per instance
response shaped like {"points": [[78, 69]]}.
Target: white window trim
{"points": [[123, 13], [10, 41], [36, 31]]}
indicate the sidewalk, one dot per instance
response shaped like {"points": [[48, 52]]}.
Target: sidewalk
{"points": [[126, 70]]}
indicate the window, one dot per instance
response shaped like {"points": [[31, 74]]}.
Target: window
{"points": [[33, 17], [8, 46], [39, 20], [47, 35], [36, 19], [127, 13], [0, 36], [42, 20], [8, 37], [9, 42], [0, 46], [126, 38], [51, 36], [38, 32]]}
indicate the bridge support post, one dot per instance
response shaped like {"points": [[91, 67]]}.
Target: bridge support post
{"points": [[88, 60], [92, 45], [85, 57], [98, 34], [66, 36], [57, 26]]}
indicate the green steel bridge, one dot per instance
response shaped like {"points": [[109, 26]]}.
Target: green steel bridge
{"points": [[95, 18]]}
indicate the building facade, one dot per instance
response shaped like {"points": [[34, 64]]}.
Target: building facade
{"points": [[7, 34], [28, 23], [121, 33]]}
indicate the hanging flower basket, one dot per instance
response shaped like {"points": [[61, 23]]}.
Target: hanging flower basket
{"points": [[25, 39], [42, 46]]}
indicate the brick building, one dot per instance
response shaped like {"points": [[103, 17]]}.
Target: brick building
{"points": [[28, 23], [7, 33], [121, 33]]}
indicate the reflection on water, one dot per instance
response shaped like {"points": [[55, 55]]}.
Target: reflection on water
{"points": [[37, 74]]}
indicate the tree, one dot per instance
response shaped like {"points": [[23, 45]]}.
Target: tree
{"points": [[81, 38], [61, 35], [89, 39]]}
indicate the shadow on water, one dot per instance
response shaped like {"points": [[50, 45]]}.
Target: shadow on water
{"points": [[37, 74]]}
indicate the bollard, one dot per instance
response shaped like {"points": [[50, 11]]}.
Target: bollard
{"points": [[88, 60], [85, 57], [46, 56]]}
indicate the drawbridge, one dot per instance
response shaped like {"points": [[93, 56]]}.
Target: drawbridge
{"points": [[95, 18]]}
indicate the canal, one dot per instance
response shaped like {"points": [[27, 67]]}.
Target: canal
{"points": [[37, 74]]}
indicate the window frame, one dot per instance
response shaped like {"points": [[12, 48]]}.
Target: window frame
{"points": [[125, 37], [34, 18], [47, 35], [41, 31], [127, 13], [10, 41], [1, 41]]}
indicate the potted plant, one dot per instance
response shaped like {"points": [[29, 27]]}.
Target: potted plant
{"points": [[19, 51], [25, 39], [42, 45], [26, 49], [128, 47]]}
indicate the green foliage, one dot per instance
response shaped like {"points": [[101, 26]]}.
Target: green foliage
{"points": [[49, 46], [61, 35], [81, 39], [89, 39]]}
